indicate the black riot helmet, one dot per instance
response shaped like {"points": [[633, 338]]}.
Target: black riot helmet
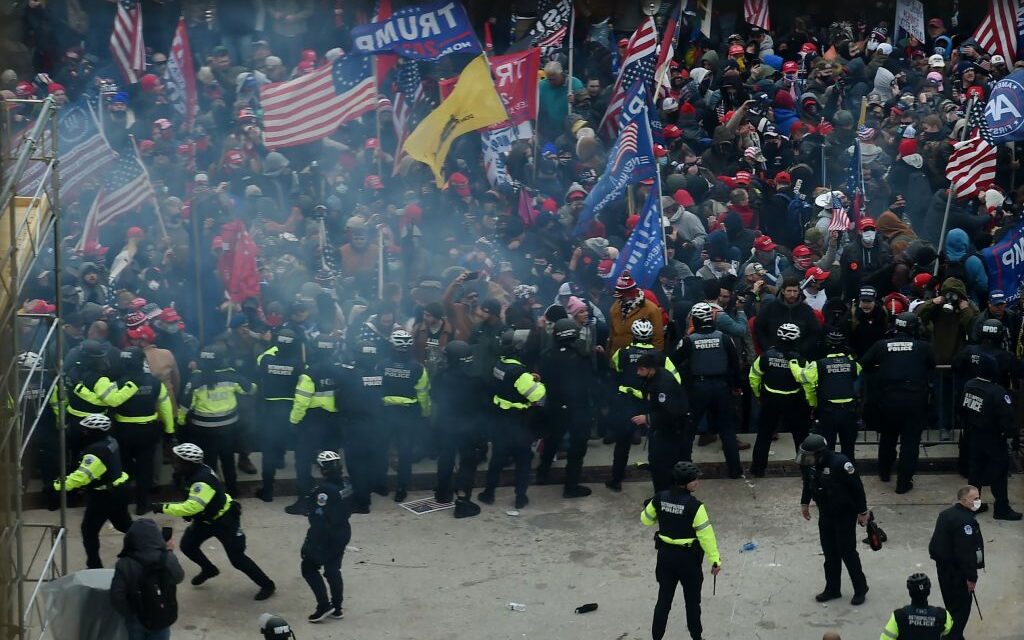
{"points": [[919, 586], [685, 472], [907, 323], [987, 368], [565, 331], [133, 359], [812, 446], [992, 331], [835, 340], [212, 357], [275, 628], [323, 348], [94, 355], [286, 341], [459, 354]]}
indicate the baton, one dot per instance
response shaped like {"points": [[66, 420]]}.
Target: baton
{"points": [[714, 588], [980, 617]]}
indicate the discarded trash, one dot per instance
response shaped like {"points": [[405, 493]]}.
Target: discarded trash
{"points": [[515, 606], [512, 512], [587, 608], [748, 546]]}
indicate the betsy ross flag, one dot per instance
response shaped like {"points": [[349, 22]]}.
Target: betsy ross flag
{"points": [[407, 99], [972, 165], [312, 106], [638, 65], [755, 12], [126, 187], [126, 41], [181, 77], [997, 33]]}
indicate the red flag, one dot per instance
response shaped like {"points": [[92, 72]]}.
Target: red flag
{"points": [[525, 210], [755, 12], [997, 33], [126, 41], [182, 76], [237, 264], [385, 61], [515, 78]]}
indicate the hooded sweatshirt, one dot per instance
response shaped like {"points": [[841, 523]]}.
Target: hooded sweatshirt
{"points": [[883, 83], [958, 246], [143, 546], [896, 232], [785, 112], [949, 328]]}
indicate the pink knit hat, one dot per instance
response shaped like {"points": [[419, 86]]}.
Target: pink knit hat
{"points": [[575, 305]]}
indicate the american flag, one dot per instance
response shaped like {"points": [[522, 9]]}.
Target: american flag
{"points": [[181, 78], [997, 33], [840, 220], [667, 51], [312, 106], [626, 147], [972, 166], [126, 187], [126, 41], [639, 62], [408, 97], [755, 12]]}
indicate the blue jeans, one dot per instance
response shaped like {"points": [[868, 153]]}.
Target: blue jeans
{"points": [[138, 632]]}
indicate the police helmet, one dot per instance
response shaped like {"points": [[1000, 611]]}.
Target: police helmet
{"points": [[286, 339], [835, 339], [566, 330], [133, 359], [324, 347], [642, 329], [703, 316], [788, 332], [366, 352], [810, 448], [329, 461], [212, 357], [684, 472], [906, 322], [401, 340], [188, 452], [510, 342], [919, 585], [275, 628], [96, 421], [29, 360], [93, 349], [987, 368], [459, 354], [992, 330]]}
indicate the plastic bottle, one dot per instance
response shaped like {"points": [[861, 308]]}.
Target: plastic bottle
{"points": [[515, 606], [748, 546]]}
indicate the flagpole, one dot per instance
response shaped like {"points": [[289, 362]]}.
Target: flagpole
{"points": [[572, 47], [376, 113], [952, 188], [156, 205]]}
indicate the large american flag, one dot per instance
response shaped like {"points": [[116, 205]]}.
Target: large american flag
{"points": [[755, 12], [972, 166], [641, 55], [126, 41], [626, 147], [997, 33], [126, 187], [312, 106], [181, 77], [667, 51], [407, 98]]}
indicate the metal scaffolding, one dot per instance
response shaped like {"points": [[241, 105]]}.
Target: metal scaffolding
{"points": [[29, 239]]}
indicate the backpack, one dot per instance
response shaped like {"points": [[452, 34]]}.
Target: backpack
{"points": [[158, 604]]}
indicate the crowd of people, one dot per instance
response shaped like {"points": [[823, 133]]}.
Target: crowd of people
{"points": [[393, 316]]}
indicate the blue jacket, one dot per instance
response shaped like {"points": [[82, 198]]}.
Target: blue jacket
{"points": [[784, 119], [958, 246]]}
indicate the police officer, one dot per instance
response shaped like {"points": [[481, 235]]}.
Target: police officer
{"points": [[782, 402], [831, 480], [359, 397], [666, 415], [143, 412], [710, 369], [101, 474], [214, 514], [46, 440], [209, 408], [918, 620], [829, 386], [629, 401], [903, 367], [315, 412], [988, 416], [329, 508], [279, 369], [406, 389], [958, 551], [569, 380], [461, 404], [516, 390], [684, 537], [88, 387]]}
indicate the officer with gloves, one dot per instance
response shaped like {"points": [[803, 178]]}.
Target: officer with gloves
{"points": [[903, 366], [710, 369], [918, 620], [988, 416], [831, 480], [406, 389], [461, 404], [684, 537], [279, 369], [516, 390], [569, 380], [782, 402], [958, 551], [829, 385], [329, 507], [667, 416], [101, 473], [214, 514], [315, 413]]}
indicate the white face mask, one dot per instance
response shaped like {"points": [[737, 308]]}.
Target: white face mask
{"points": [[872, 45], [976, 504], [868, 237]]}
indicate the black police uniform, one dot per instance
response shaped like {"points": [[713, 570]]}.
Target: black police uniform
{"points": [[241, 357], [668, 418], [319, 429], [139, 441], [919, 623], [402, 417], [965, 366], [902, 367], [359, 396], [783, 404], [329, 507], [511, 432], [278, 375], [629, 401], [836, 488], [569, 380], [710, 368], [835, 414], [988, 416], [461, 406], [958, 551], [106, 497]]}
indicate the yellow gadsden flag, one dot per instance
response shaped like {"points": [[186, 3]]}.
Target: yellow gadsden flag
{"points": [[472, 105]]}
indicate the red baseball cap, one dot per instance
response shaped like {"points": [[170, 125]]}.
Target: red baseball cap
{"points": [[801, 251], [764, 243], [736, 50], [783, 177], [671, 132], [817, 273], [134, 232], [867, 222], [660, 151], [743, 177], [790, 67], [809, 47], [373, 182], [683, 198], [372, 143]]}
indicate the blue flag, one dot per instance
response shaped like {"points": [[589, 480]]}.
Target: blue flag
{"points": [[1004, 111], [643, 255], [630, 160], [1004, 262], [855, 182], [425, 32]]}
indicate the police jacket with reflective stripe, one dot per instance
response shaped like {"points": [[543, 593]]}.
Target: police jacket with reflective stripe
{"points": [[920, 623], [777, 374], [836, 377], [144, 401], [278, 374]]}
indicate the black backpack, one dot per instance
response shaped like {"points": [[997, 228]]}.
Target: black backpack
{"points": [[158, 603]]}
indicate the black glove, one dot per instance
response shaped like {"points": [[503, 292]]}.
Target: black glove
{"points": [[156, 507]]}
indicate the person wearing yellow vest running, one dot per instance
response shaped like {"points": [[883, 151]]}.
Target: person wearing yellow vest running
{"points": [[209, 408], [101, 475], [279, 369], [213, 514], [684, 537], [830, 387], [630, 401], [516, 390], [315, 414], [783, 404], [142, 409], [406, 388], [918, 620]]}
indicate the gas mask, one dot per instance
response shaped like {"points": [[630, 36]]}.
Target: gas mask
{"points": [[952, 302]]}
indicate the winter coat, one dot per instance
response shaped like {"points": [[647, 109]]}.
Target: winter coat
{"points": [[620, 326], [777, 313], [143, 546], [949, 329], [860, 264], [913, 185], [896, 232], [958, 249]]}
